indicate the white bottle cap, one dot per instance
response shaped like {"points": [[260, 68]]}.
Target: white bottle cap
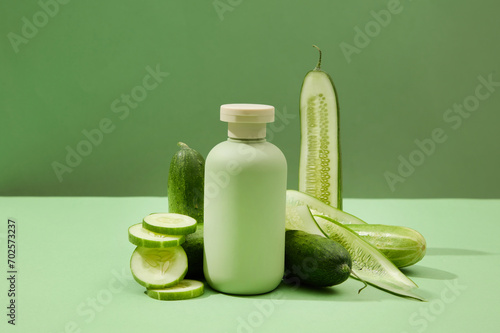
{"points": [[247, 121]]}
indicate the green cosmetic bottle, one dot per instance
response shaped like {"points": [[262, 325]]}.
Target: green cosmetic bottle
{"points": [[245, 198]]}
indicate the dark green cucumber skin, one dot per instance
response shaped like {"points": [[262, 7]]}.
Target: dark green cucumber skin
{"points": [[315, 260], [186, 182], [193, 246], [403, 246]]}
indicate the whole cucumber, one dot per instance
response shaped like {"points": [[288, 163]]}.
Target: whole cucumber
{"points": [[315, 260], [194, 251], [186, 182], [403, 246]]}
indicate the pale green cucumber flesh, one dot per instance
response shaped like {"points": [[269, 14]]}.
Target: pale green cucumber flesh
{"points": [[185, 289], [169, 223], [368, 263], [139, 236], [297, 198], [300, 218], [401, 245], [158, 268], [320, 164]]}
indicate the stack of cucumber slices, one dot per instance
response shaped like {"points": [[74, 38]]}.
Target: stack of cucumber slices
{"points": [[159, 263]]}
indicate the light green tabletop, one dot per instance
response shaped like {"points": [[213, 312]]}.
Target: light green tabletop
{"points": [[72, 264]]}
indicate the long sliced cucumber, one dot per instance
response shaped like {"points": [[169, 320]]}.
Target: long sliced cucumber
{"points": [[296, 198], [139, 236], [320, 164], [183, 290], [369, 264], [158, 268], [169, 223]]}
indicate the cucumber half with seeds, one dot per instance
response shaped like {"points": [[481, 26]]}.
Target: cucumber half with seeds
{"points": [[169, 223], [320, 167], [139, 236], [183, 290], [158, 268]]}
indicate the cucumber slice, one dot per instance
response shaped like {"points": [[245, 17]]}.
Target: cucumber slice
{"points": [[320, 167], [169, 223], [183, 290], [158, 268], [369, 264], [139, 236], [296, 198]]}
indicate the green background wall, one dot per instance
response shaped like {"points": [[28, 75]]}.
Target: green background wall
{"points": [[65, 73]]}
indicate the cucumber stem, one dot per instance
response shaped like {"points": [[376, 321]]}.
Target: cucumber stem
{"points": [[182, 145], [357, 277], [318, 66]]}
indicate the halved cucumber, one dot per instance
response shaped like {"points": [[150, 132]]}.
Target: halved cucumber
{"points": [[296, 198], [183, 290], [320, 167], [158, 268], [169, 223], [139, 236]]}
